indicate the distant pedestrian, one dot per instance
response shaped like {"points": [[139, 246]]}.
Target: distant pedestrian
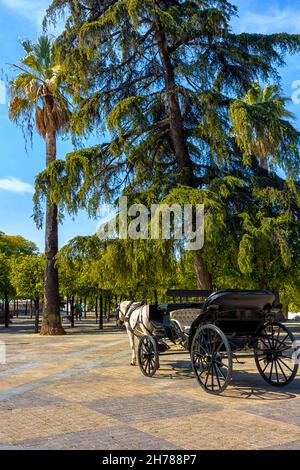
{"points": [[79, 311]]}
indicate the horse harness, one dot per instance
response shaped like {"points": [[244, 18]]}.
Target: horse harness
{"points": [[129, 311]]}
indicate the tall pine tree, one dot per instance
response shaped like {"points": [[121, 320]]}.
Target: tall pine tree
{"points": [[158, 78]]}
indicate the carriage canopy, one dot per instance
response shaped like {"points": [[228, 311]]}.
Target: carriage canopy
{"points": [[241, 299]]}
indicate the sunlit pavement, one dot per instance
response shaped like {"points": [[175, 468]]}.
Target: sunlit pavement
{"points": [[79, 392]]}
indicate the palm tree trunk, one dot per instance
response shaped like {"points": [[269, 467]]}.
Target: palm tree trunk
{"points": [[52, 325]]}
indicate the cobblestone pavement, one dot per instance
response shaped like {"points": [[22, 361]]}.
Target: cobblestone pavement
{"points": [[79, 392]]}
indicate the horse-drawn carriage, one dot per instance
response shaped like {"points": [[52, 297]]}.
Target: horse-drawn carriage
{"points": [[218, 329]]}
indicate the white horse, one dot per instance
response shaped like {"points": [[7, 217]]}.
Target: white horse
{"points": [[135, 317]]}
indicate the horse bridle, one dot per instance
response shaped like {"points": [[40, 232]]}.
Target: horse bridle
{"points": [[126, 311]]}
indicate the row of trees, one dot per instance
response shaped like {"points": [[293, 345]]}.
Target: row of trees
{"points": [[88, 271], [177, 97], [21, 274]]}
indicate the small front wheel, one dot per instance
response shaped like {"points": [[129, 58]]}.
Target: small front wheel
{"points": [[148, 355], [211, 359]]}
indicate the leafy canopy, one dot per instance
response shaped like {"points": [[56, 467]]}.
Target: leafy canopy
{"points": [[16, 245], [113, 55], [27, 276]]}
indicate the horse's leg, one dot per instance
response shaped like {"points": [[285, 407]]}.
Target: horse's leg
{"points": [[132, 347]]}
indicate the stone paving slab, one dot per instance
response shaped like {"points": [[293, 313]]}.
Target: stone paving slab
{"points": [[222, 430], [287, 411], [45, 421], [28, 400], [149, 406], [79, 392], [115, 438]]}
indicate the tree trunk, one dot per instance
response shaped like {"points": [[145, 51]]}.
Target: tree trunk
{"points": [[51, 316], [85, 308], [108, 308], [284, 314], [204, 280], [96, 309], [176, 121], [101, 313], [6, 311], [37, 315], [72, 312], [2, 313], [180, 145]]}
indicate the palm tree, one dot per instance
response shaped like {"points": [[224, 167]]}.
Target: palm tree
{"points": [[36, 100], [262, 126]]}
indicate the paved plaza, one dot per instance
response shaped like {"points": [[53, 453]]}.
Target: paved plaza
{"points": [[79, 392]]}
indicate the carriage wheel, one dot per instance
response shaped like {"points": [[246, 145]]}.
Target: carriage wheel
{"points": [[211, 359], [148, 356], [274, 354]]}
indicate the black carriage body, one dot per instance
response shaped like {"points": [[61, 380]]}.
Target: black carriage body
{"points": [[229, 320], [239, 314]]}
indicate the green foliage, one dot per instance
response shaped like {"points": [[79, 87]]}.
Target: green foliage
{"points": [[14, 250], [16, 245], [75, 263], [88, 266], [6, 288], [27, 276], [37, 98], [262, 125], [111, 56], [117, 76]]}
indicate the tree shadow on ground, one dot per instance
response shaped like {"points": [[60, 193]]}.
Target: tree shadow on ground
{"points": [[25, 325]]}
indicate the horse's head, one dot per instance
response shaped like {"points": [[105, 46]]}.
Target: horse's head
{"points": [[121, 313]]}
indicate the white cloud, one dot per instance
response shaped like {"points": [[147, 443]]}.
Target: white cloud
{"points": [[33, 10], [13, 185], [273, 20]]}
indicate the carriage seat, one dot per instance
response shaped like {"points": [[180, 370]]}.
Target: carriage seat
{"points": [[185, 318]]}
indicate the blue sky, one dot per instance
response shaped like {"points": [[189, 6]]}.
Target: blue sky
{"points": [[21, 19]]}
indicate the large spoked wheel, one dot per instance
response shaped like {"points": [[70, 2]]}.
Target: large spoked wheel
{"points": [[211, 359], [275, 353], [148, 355]]}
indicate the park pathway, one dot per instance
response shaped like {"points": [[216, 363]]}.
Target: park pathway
{"points": [[79, 392]]}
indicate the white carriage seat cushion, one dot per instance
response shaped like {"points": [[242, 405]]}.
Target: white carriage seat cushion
{"points": [[185, 317]]}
